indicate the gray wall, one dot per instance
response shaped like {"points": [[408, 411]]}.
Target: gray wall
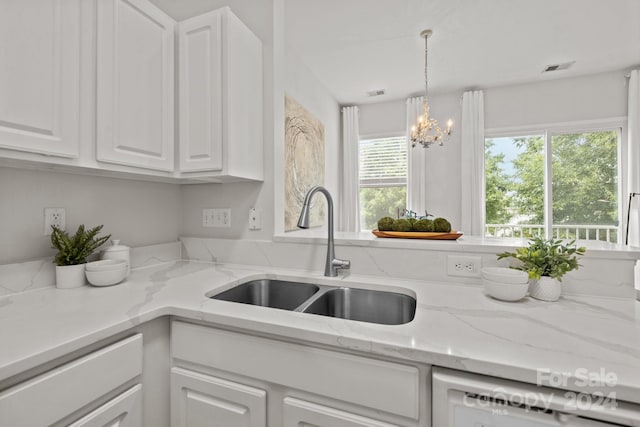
{"points": [[138, 213]]}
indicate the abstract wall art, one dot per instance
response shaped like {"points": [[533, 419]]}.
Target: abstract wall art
{"points": [[303, 163]]}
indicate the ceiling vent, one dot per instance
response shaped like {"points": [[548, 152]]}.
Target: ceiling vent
{"points": [[558, 67], [375, 92]]}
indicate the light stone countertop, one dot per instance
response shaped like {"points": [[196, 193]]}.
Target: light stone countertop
{"points": [[455, 326]]}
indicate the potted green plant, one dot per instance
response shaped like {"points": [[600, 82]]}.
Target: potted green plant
{"points": [[73, 252], [546, 261]]}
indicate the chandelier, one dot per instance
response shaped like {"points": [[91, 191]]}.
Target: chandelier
{"points": [[427, 131]]}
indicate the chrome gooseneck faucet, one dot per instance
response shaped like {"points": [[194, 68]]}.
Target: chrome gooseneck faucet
{"points": [[332, 264]]}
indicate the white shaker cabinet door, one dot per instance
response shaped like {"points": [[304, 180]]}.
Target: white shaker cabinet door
{"points": [[220, 97], [135, 84], [40, 76], [201, 97], [125, 410], [199, 400]]}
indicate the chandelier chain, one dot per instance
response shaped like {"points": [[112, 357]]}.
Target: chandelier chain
{"points": [[426, 84]]}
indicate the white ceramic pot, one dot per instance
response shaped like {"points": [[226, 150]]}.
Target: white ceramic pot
{"points": [[545, 289], [70, 276]]}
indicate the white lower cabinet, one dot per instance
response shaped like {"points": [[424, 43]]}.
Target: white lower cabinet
{"points": [[65, 392], [306, 386], [302, 413], [199, 400], [125, 410]]}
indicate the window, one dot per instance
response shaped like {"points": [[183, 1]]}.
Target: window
{"points": [[383, 178], [556, 184]]}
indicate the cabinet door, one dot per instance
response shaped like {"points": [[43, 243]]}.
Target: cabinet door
{"points": [[200, 88], [301, 413], [123, 411], [135, 84], [199, 400], [40, 76]]}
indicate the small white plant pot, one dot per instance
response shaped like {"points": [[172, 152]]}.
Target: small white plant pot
{"points": [[545, 289], [70, 276]]}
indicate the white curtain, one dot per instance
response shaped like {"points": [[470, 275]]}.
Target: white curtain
{"points": [[472, 174], [416, 162], [350, 212], [633, 166]]}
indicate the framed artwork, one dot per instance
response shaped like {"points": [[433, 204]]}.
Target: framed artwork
{"points": [[303, 163]]}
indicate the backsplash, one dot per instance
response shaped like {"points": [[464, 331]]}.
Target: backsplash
{"points": [[601, 275], [30, 275]]}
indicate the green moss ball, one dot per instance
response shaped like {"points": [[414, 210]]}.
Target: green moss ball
{"points": [[441, 225], [401, 225], [412, 221], [423, 225], [385, 223]]}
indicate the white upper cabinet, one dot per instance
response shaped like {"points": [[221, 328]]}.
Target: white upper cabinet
{"points": [[220, 98], [93, 85], [135, 85], [40, 76]]}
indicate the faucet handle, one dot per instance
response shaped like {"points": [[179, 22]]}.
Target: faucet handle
{"points": [[341, 263]]}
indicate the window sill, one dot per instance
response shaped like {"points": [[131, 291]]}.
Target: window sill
{"points": [[476, 244]]}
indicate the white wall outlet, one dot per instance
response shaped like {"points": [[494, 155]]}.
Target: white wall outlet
{"points": [[54, 216], [255, 219], [464, 266], [219, 218]]}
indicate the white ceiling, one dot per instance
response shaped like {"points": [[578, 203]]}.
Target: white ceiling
{"points": [[355, 46]]}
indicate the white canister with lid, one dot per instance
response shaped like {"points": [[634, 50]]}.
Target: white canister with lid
{"points": [[118, 251]]}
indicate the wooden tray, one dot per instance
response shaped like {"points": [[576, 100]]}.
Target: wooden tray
{"points": [[430, 235]]}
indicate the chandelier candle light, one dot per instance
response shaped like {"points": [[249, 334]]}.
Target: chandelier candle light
{"points": [[427, 131]]}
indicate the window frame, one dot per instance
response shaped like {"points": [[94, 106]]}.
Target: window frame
{"points": [[387, 183], [548, 131]]}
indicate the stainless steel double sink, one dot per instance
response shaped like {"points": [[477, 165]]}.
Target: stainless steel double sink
{"points": [[364, 305]]}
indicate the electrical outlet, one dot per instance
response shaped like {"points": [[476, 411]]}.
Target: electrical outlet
{"points": [[219, 218], [54, 216], [463, 266]]}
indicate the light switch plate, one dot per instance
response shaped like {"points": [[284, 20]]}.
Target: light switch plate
{"points": [[218, 218], [255, 219]]}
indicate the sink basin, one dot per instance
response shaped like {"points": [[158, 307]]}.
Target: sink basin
{"points": [[269, 293], [387, 308], [364, 305]]}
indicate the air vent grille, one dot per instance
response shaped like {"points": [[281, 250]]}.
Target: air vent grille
{"points": [[558, 67], [377, 92]]}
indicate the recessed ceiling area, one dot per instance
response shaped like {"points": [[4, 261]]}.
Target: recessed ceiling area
{"points": [[358, 46]]}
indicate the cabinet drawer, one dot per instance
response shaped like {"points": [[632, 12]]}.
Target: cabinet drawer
{"points": [[51, 396], [301, 413], [385, 386]]}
